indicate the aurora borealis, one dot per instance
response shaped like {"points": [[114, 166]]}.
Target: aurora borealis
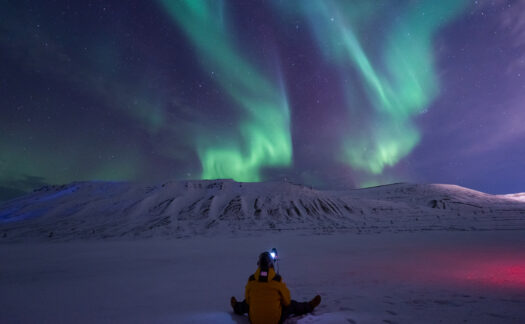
{"points": [[264, 126], [330, 94], [408, 83]]}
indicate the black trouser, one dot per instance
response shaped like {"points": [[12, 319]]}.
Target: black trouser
{"points": [[295, 309]]}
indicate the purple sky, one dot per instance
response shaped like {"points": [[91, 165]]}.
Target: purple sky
{"points": [[103, 90]]}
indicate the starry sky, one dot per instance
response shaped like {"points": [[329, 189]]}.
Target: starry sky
{"points": [[331, 94]]}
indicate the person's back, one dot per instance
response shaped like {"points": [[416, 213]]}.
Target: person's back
{"points": [[266, 294], [266, 297]]}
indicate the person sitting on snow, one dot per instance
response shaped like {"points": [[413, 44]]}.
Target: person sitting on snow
{"points": [[267, 299]]}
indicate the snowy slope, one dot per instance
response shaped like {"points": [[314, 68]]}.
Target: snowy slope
{"points": [[90, 210], [517, 196]]}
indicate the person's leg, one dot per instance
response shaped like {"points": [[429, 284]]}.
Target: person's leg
{"points": [[295, 309], [240, 308], [298, 309]]}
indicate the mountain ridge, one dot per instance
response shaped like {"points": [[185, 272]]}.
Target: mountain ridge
{"points": [[178, 209]]}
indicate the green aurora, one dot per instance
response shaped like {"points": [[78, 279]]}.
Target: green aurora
{"points": [[263, 136], [331, 93], [400, 83]]}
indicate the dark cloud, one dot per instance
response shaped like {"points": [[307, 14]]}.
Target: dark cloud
{"points": [[14, 187], [10, 193]]}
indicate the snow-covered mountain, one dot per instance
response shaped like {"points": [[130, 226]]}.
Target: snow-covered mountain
{"points": [[445, 254], [187, 208]]}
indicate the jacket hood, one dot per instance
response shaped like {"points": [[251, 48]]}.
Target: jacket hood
{"points": [[271, 273]]}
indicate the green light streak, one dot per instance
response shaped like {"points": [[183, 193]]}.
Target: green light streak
{"points": [[264, 128], [384, 148], [399, 84]]}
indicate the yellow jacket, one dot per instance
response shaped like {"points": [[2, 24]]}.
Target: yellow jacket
{"points": [[266, 298]]}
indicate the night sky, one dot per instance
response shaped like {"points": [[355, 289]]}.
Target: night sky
{"points": [[332, 94]]}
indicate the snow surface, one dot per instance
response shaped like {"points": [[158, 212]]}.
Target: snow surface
{"points": [[431, 277], [517, 196], [176, 252]]}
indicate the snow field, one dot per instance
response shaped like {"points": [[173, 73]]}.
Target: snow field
{"points": [[426, 277]]}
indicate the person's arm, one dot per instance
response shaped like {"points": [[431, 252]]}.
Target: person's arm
{"points": [[247, 289], [285, 293]]}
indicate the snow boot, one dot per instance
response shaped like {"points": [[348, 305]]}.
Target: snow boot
{"points": [[314, 302], [239, 308]]}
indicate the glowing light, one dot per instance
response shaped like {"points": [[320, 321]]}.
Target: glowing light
{"points": [[496, 268], [500, 273], [399, 83], [263, 134]]}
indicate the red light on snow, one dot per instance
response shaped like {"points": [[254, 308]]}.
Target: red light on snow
{"points": [[499, 269], [501, 273]]}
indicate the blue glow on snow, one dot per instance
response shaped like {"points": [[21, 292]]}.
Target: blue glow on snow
{"points": [[61, 193], [7, 216]]}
